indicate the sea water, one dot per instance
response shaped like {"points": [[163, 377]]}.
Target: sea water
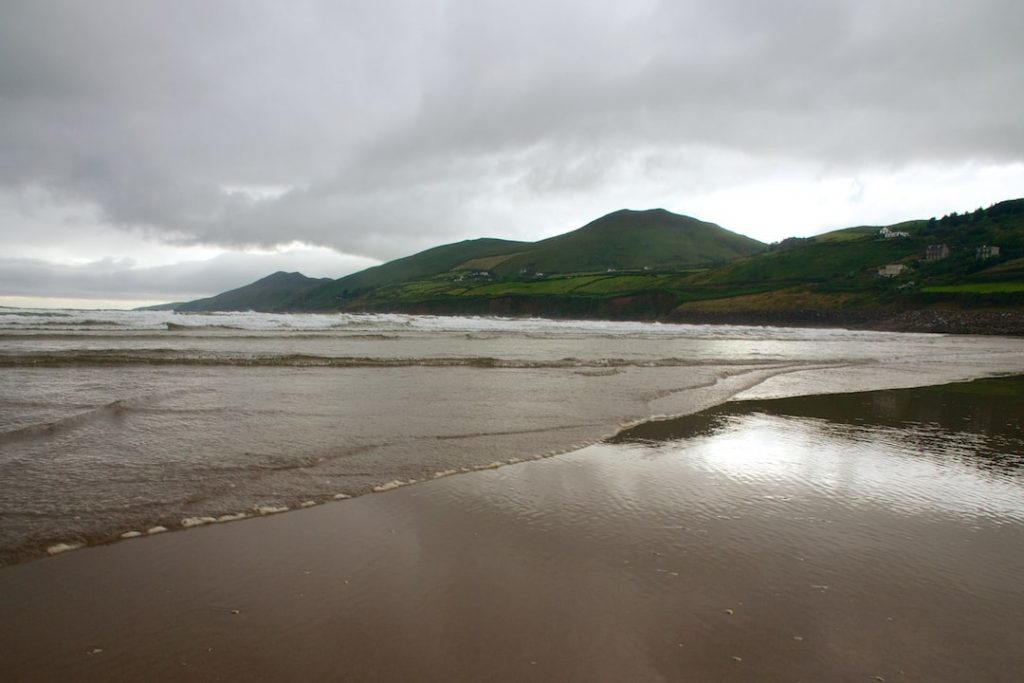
{"points": [[123, 423], [847, 537]]}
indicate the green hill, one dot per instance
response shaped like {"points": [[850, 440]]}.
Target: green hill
{"points": [[849, 259], [658, 265], [632, 240], [835, 278], [268, 294], [424, 264], [831, 279], [623, 240]]}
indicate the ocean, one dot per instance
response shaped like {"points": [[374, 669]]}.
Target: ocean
{"points": [[115, 424]]}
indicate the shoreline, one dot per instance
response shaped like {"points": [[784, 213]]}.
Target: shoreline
{"points": [[1004, 321], [726, 384], [54, 547], [615, 562]]}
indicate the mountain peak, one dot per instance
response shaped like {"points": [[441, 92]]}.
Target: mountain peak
{"points": [[284, 275]]}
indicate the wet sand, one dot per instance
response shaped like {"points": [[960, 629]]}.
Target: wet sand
{"points": [[777, 550]]}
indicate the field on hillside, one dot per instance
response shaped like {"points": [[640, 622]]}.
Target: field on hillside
{"points": [[976, 288], [835, 271]]}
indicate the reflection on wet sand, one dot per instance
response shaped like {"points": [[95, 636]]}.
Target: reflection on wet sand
{"points": [[842, 538], [984, 417]]}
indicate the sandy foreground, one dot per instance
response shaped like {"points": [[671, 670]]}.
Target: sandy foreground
{"points": [[612, 563]]}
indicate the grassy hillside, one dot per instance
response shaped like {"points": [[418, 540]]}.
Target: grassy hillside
{"points": [[624, 240], [422, 265], [829, 279], [838, 271], [658, 265], [271, 293], [632, 240]]}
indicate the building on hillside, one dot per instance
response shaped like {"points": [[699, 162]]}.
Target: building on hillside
{"points": [[936, 252], [891, 270], [987, 251], [890, 234]]}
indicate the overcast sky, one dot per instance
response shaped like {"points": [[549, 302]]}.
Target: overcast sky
{"points": [[154, 151]]}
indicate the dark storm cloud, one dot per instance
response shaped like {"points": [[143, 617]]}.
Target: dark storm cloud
{"points": [[403, 124]]}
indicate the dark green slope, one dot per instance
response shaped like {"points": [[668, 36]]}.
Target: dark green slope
{"points": [[851, 257], [632, 240], [422, 265], [831, 279], [658, 265], [272, 293]]}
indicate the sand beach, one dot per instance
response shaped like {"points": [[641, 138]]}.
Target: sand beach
{"points": [[766, 548]]}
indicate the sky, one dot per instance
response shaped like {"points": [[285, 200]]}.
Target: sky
{"points": [[162, 151]]}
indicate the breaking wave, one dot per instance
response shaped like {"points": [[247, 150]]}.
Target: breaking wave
{"points": [[180, 357]]}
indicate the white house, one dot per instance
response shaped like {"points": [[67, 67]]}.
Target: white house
{"points": [[891, 270], [987, 251], [890, 234]]}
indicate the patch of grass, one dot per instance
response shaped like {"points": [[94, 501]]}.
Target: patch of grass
{"points": [[778, 300], [817, 262], [535, 287], [484, 263], [625, 284], [976, 288], [1013, 266], [848, 234]]}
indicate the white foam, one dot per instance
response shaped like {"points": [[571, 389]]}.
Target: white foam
{"points": [[307, 504], [444, 473], [270, 509], [232, 518], [392, 322], [156, 530], [131, 534], [197, 521], [58, 548], [393, 485], [341, 496]]}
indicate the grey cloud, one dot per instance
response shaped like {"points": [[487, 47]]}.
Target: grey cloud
{"points": [[118, 278], [398, 123]]}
